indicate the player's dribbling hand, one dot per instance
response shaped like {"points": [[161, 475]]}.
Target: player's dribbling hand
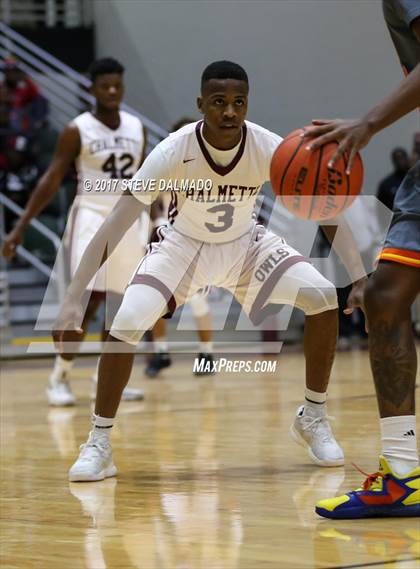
{"points": [[352, 135], [11, 242], [355, 299], [68, 320]]}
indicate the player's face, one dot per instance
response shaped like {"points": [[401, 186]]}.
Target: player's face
{"points": [[224, 104], [108, 90]]}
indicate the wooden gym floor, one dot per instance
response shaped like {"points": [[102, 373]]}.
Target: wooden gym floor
{"points": [[208, 477]]}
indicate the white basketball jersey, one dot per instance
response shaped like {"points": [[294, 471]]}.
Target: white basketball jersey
{"points": [[210, 202], [105, 155]]}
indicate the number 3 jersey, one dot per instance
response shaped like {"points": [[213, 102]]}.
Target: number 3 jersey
{"points": [[106, 155], [211, 200]]}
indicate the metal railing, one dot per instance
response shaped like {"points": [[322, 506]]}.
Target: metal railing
{"points": [[4, 289], [59, 274], [64, 88], [67, 93], [68, 13]]}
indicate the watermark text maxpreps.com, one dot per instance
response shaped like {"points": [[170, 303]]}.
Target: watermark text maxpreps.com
{"points": [[234, 366]]}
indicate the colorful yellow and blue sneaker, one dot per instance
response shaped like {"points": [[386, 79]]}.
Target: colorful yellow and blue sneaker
{"points": [[384, 494]]}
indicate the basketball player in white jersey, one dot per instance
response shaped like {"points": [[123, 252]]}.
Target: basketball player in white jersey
{"points": [[212, 240], [105, 143]]}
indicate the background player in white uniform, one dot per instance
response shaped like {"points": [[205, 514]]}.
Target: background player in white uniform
{"points": [[105, 144], [212, 240]]}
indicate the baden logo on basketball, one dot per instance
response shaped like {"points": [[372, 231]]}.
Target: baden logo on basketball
{"points": [[334, 181], [298, 187]]}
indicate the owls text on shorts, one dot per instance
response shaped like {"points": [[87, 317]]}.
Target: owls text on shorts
{"points": [[234, 366]]}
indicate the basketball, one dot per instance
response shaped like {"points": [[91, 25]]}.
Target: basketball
{"points": [[305, 184]]}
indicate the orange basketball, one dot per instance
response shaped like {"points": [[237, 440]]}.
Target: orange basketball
{"points": [[305, 184]]}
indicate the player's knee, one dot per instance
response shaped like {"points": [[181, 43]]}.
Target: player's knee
{"points": [[318, 298], [139, 311], [125, 326], [381, 300]]}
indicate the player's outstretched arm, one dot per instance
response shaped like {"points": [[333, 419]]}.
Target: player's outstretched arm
{"points": [[126, 211], [354, 134], [341, 237], [67, 149]]}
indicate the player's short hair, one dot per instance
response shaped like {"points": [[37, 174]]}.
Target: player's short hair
{"points": [[223, 70], [182, 122], [103, 66]]}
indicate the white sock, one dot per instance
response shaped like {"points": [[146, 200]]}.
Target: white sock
{"points": [[315, 402], [399, 443], [206, 347], [102, 425], [161, 345], [60, 370]]}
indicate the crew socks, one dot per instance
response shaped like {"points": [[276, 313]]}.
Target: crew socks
{"points": [[102, 425], [399, 443], [206, 347], [161, 345], [315, 402], [60, 370]]}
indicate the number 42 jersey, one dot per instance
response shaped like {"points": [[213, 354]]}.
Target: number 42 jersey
{"points": [[106, 157], [211, 201]]}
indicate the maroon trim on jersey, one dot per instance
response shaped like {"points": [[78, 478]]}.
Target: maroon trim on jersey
{"points": [[155, 283], [172, 208], [92, 114], [99, 295], [258, 311], [221, 170]]}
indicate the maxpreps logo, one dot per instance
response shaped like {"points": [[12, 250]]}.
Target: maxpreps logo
{"points": [[234, 366]]}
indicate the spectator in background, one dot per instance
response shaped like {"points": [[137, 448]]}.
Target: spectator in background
{"points": [[4, 127], [23, 112], [27, 108], [416, 149], [388, 186], [18, 175]]}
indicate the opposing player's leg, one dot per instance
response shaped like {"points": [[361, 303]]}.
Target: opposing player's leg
{"points": [[58, 391], [395, 489], [390, 292], [132, 320]]}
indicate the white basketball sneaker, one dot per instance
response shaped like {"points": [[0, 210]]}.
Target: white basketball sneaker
{"points": [[95, 460], [59, 394], [128, 394], [314, 433]]}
